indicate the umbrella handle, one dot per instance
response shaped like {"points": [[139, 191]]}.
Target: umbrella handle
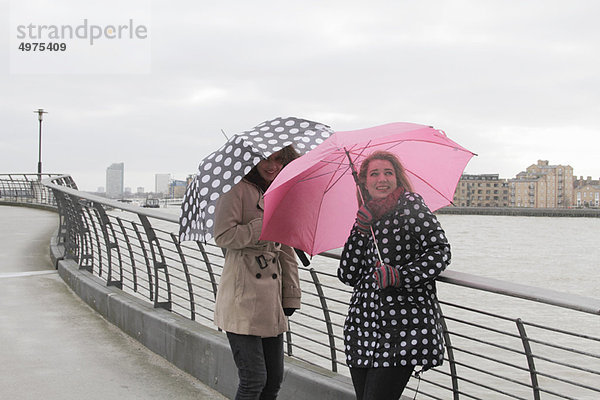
{"points": [[302, 256], [376, 247], [355, 175]]}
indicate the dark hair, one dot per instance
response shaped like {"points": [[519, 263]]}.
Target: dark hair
{"points": [[401, 178], [287, 155]]}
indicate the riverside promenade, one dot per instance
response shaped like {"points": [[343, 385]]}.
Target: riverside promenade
{"points": [[54, 346], [123, 274]]}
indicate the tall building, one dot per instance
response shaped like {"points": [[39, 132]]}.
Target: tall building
{"points": [[114, 180], [161, 183], [485, 190], [542, 186]]}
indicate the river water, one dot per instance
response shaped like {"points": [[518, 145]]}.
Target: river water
{"points": [[555, 253], [560, 253]]}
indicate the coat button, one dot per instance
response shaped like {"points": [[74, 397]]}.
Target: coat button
{"points": [[258, 276], [274, 276]]}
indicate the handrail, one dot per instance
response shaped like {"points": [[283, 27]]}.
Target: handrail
{"points": [[517, 290], [491, 353]]}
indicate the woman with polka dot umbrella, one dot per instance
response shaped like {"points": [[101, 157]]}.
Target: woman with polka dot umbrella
{"points": [[222, 169]]}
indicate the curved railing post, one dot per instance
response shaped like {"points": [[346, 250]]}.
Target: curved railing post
{"points": [[327, 317], [530, 361], [450, 353], [159, 265], [211, 274], [78, 247], [130, 250], [188, 277], [110, 241], [146, 260], [90, 226], [87, 249], [70, 234], [62, 217]]}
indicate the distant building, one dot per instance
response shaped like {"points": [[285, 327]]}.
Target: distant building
{"points": [[100, 189], [485, 190], [586, 192], [542, 186], [177, 189], [161, 183], [114, 180], [140, 190]]}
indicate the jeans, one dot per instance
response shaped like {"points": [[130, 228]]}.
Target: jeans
{"points": [[260, 365], [380, 383]]}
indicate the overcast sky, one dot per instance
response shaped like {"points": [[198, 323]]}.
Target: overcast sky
{"points": [[513, 81]]}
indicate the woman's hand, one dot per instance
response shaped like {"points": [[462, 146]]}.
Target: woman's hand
{"points": [[386, 275], [364, 218]]}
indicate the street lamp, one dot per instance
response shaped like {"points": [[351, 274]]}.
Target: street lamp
{"points": [[40, 112]]}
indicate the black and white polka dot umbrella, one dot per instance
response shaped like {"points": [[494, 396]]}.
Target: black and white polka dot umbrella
{"points": [[222, 169]]}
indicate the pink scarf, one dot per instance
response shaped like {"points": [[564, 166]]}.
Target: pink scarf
{"points": [[381, 207]]}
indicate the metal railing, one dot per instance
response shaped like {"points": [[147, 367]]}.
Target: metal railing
{"points": [[28, 188], [531, 344]]}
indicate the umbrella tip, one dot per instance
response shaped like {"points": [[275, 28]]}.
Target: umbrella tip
{"points": [[223, 132]]}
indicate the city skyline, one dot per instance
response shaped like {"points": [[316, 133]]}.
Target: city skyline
{"points": [[513, 82], [177, 178]]}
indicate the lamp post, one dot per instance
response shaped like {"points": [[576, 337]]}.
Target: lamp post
{"points": [[40, 112]]}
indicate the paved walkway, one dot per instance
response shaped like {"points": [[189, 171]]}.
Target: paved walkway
{"points": [[53, 346]]}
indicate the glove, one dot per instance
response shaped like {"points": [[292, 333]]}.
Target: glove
{"points": [[288, 311], [364, 219], [386, 276]]}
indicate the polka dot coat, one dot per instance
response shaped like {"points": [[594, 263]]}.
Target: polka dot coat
{"points": [[396, 326]]}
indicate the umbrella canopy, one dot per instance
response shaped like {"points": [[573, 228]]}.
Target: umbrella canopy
{"points": [[312, 203], [222, 169]]}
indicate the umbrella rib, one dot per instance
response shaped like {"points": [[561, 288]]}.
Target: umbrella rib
{"points": [[323, 164], [329, 186], [315, 176], [428, 184], [332, 182], [340, 163]]}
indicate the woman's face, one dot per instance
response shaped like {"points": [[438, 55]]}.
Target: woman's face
{"points": [[268, 169], [381, 179]]}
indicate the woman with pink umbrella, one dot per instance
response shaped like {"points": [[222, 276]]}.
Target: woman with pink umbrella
{"points": [[395, 251]]}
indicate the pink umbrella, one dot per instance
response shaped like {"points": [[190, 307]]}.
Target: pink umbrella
{"points": [[312, 203]]}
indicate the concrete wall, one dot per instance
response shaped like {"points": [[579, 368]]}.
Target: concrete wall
{"points": [[201, 351]]}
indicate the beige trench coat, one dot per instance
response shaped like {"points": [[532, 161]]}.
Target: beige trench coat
{"points": [[259, 278]]}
